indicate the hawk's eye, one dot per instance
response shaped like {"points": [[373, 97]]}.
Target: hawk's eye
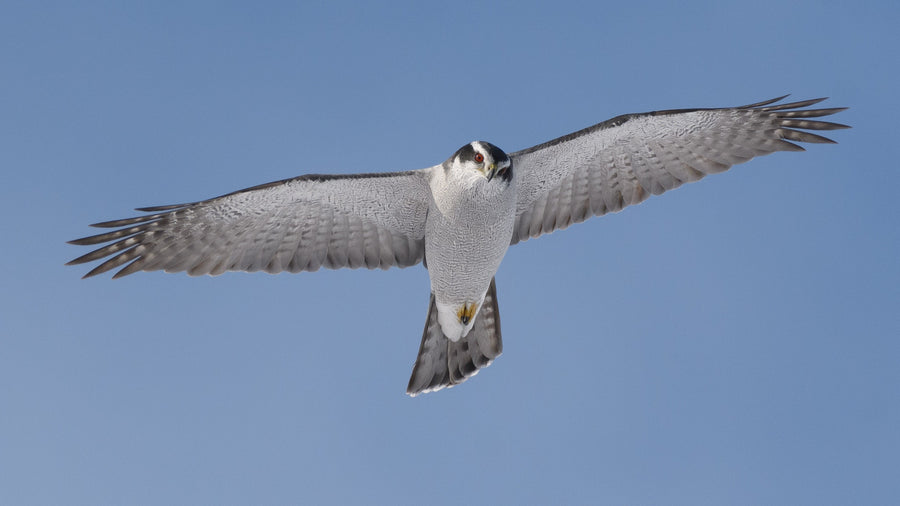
{"points": [[479, 157]]}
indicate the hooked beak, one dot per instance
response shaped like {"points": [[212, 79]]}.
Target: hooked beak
{"points": [[489, 171]]}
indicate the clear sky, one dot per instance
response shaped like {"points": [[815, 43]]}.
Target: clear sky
{"points": [[736, 341]]}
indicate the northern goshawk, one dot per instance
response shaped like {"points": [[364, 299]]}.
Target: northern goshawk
{"points": [[458, 217]]}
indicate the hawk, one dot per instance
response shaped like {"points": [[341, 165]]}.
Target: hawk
{"points": [[457, 218]]}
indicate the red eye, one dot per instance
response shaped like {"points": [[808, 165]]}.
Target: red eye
{"points": [[479, 157]]}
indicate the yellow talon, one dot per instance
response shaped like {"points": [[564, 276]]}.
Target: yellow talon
{"points": [[466, 312]]}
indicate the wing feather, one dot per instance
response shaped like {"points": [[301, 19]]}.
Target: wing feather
{"points": [[299, 224], [620, 162]]}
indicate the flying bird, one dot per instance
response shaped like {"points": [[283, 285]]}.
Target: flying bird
{"points": [[457, 218]]}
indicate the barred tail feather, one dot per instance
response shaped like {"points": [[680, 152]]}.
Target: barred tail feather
{"points": [[443, 363]]}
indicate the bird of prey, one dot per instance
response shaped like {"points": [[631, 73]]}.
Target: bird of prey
{"points": [[457, 218]]}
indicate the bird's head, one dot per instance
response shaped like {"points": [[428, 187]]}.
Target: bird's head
{"points": [[484, 158]]}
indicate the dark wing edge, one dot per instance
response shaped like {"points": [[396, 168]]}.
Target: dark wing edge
{"points": [[618, 162], [215, 235]]}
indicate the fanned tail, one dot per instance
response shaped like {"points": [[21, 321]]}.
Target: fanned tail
{"points": [[443, 363]]}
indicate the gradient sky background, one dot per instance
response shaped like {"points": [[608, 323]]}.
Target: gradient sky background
{"points": [[736, 341]]}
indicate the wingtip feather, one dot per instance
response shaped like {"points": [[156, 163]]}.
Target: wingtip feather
{"points": [[765, 102]]}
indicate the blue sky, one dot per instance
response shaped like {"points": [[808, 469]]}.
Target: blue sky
{"points": [[732, 342]]}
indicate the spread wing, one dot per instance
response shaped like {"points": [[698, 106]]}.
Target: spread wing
{"points": [[299, 224], [622, 161]]}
